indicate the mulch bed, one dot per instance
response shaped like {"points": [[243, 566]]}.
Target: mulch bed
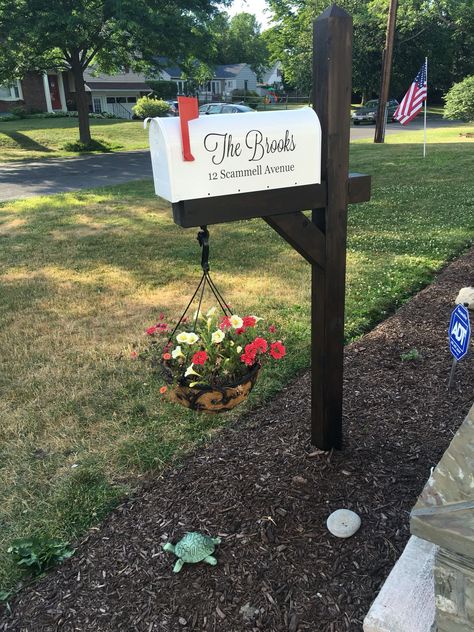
{"points": [[262, 487]]}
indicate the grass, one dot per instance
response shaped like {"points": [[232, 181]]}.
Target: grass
{"points": [[30, 139], [82, 275]]}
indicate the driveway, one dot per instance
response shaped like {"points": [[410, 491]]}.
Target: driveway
{"points": [[57, 175]]}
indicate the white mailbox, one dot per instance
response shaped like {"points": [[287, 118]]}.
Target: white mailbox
{"points": [[236, 153]]}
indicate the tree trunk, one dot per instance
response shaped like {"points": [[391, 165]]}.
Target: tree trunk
{"points": [[82, 100]]}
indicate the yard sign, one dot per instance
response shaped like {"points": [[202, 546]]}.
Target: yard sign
{"points": [[318, 149]]}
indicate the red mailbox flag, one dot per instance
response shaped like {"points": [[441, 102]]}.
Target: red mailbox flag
{"points": [[188, 110]]}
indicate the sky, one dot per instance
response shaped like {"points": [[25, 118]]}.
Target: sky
{"points": [[251, 6]]}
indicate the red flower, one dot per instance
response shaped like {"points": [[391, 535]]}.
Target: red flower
{"points": [[167, 356], [260, 345], [163, 389], [200, 357], [162, 316], [225, 323], [277, 350], [133, 355], [240, 330], [249, 321], [272, 329], [152, 330], [248, 358]]}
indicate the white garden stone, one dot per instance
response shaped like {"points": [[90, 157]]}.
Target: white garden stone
{"points": [[466, 297], [343, 523]]}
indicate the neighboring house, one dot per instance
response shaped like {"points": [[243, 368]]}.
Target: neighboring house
{"points": [[117, 94], [272, 77], [43, 93], [227, 77]]}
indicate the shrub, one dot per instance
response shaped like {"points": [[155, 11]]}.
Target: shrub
{"points": [[164, 89], [8, 117], [93, 145], [147, 106], [37, 555], [19, 111], [460, 100], [249, 97]]}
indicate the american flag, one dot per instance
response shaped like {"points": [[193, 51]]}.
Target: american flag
{"points": [[412, 102]]}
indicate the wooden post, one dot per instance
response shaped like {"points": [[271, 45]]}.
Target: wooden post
{"points": [[332, 74], [386, 72]]}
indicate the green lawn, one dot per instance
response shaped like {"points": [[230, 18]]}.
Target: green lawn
{"points": [[83, 274], [30, 139]]}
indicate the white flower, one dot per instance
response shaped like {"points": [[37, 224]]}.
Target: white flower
{"points": [[192, 338], [177, 353], [239, 349], [236, 321], [191, 371], [218, 336], [188, 338]]}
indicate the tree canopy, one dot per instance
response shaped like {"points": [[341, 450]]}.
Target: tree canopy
{"points": [[442, 30], [238, 40], [41, 35]]}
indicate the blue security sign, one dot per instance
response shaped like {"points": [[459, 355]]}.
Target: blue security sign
{"points": [[459, 332]]}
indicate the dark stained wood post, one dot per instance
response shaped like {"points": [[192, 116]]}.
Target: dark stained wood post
{"points": [[332, 78]]}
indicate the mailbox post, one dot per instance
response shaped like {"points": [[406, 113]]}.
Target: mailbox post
{"points": [[319, 180]]}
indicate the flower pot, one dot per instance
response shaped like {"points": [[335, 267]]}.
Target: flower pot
{"points": [[208, 399]]}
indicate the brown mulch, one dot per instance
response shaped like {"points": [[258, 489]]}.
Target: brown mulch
{"points": [[263, 488]]}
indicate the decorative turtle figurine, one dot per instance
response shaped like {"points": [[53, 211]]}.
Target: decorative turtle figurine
{"points": [[194, 547]]}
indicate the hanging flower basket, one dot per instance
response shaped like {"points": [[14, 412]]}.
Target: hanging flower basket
{"points": [[214, 400], [211, 363]]}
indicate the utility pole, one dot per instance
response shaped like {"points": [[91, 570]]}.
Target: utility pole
{"points": [[386, 72]]}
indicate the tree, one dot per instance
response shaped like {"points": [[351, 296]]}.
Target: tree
{"points": [[238, 40], [443, 30], [460, 101], [41, 35]]}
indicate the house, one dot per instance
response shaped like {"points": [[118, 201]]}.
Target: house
{"points": [[55, 92], [117, 94], [227, 77]]}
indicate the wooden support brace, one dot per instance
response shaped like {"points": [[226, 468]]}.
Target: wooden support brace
{"points": [[301, 234]]}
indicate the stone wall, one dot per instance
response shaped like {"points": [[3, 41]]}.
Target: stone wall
{"points": [[454, 592]]}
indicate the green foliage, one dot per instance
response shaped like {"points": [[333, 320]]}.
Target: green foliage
{"points": [[164, 89], [442, 30], [92, 145], [149, 107], [196, 73], [460, 101], [19, 111], [36, 555], [249, 97], [411, 355], [42, 36]]}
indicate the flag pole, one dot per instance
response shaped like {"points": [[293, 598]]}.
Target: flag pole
{"points": [[424, 138]]}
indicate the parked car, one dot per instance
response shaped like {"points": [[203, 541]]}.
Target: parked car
{"points": [[174, 109], [368, 113], [224, 108]]}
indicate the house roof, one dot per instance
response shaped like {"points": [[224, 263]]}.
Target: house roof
{"points": [[118, 85], [221, 71], [228, 71]]}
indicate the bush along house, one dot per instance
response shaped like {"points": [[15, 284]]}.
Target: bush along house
{"points": [[117, 94]]}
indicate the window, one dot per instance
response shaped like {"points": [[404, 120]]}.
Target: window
{"points": [[96, 105], [131, 99], [121, 99], [246, 85], [228, 109], [110, 99], [181, 86], [10, 93]]}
